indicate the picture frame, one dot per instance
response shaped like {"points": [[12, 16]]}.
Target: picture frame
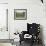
{"points": [[20, 14]]}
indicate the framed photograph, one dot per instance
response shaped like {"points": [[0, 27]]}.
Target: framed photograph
{"points": [[20, 14]]}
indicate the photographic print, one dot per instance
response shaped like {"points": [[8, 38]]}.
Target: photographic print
{"points": [[20, 14]]}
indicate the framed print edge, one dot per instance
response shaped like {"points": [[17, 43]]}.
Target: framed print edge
{"points": [[22, 11]]}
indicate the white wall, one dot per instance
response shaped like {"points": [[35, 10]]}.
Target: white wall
{"points": [[35, 13], [3, 14], [3, 21], [3, 1]]}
